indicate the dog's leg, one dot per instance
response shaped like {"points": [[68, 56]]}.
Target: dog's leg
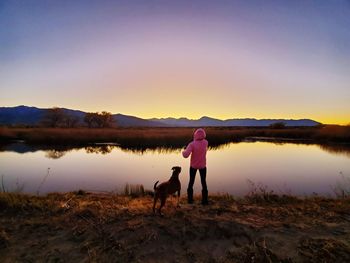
{"points": [[162, 203], [178, 198], [154, 203]]}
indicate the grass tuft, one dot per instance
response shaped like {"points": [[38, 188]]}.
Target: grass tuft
{"points": [[260, 193], [342, 187]]}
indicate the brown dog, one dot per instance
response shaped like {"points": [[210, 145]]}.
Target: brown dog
{"points": [[167, 188]]}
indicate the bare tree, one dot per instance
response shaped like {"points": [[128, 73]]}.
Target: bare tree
{"points": [[71, 121], [106, 119], [99, 120], [54, 117], [90, 119]]}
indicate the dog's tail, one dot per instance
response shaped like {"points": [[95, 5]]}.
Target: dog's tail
{"points": [[155, 185]]}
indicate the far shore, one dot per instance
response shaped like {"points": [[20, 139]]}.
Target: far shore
{"points": [[91, 227], [172, 137]]}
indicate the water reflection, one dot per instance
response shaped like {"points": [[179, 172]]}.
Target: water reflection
{"points": [[296, 168], [57, 152], [54, 154], [339, 149], [157, 150], [342, 186], [103, 149], [18, 148]]}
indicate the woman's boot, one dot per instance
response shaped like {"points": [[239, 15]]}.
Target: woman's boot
{"points": [[204, 197], [190, 196]]}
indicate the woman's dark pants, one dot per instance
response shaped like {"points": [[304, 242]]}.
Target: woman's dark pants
{"points": [[203, 174]]}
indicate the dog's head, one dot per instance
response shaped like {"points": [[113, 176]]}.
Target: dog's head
{"points": [[176, 169]]}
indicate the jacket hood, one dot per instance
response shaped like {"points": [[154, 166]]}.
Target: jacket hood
{"points": [[199, 134]]}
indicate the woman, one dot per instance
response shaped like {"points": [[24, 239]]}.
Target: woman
{"points": [[198, 151]]}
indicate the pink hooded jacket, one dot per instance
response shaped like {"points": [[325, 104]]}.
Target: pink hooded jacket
{"points": [[198, 148]]}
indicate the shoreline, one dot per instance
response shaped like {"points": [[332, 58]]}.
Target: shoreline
{"points": [[83, 227]]}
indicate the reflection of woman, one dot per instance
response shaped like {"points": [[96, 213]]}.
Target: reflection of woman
{"points": [[198, 151]]}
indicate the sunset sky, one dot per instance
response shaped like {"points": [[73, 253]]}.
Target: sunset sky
{"points": [[223, 59]]}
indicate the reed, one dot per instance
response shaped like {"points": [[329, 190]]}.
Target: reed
{"points": [[259, 193], [21, 202], [169, 137], [135, 190]]}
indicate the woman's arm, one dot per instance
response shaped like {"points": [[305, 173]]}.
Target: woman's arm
{"points": [[187, 151]]}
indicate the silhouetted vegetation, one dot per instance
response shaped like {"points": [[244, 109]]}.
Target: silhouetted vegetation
{"points": [[260, 193], [143, 138], [342, 187], [53, 118], [57, 118], [134, 190], [70, 121]]}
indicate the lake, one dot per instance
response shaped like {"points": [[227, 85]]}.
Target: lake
{"points": [[290, 168]]}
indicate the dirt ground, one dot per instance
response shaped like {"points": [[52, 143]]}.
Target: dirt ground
{"points": [[86, 227]]}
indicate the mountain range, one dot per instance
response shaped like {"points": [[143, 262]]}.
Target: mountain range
{"points": [[24, 115]]}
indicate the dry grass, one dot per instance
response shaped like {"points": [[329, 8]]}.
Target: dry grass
{"points": [[334, 133], [134, 190], [22, 202], [169, 137], [260, 194], [88, 227]]}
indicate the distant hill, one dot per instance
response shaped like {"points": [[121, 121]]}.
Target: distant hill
{"points": [[20, 115], [131, 121], [24, 115]]}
